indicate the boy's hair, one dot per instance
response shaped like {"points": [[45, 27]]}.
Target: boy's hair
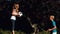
{"points": [[15, 4], [52, 16]]}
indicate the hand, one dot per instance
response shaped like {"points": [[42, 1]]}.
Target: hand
{"points": [[49, 29], [20, 14]]}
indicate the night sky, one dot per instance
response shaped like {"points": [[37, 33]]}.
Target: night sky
{"points": [[37, 10]]}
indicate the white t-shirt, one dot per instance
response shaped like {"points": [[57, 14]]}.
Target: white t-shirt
{"points": [[13, 18]]}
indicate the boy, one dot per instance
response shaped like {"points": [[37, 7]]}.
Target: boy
{"points": [[54, 31]]}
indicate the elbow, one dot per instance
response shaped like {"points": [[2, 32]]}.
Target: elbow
{"points": [[55, 27]]}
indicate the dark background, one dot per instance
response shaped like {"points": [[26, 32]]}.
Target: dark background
{"points": [[38, 10]]}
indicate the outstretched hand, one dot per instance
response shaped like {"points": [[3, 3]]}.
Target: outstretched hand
{"points": [[49, 29]]}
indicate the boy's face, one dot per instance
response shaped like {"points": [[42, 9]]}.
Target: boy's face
{"points": [[17, 6], [51, 17]]}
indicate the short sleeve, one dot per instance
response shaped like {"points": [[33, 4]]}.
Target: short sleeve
{"points": [[54, 23]]}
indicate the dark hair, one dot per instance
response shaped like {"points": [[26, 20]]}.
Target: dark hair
{"points": [[15, 4]]}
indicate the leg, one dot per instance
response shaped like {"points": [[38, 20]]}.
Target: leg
{"points": [[13, 26]]}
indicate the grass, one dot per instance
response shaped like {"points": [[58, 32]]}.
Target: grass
{"points": [[20, 32]]}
